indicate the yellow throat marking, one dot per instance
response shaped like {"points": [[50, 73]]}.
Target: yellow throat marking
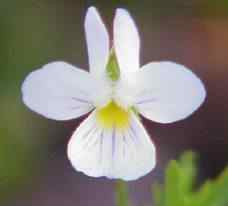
{"points": [[113, 115]]}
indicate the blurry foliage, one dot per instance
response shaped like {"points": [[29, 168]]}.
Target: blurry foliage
{"points": [[26, 43], [215, 8], [163, 8], [179, 188]]}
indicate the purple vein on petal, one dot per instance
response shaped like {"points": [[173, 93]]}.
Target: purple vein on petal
{"points": [[84, 101], [86, 138], [133, 135], [124, 146], [81, 100], [89, 141], [134, 132], [146, 101], [113, 144], [75, 108], [101, 147]]}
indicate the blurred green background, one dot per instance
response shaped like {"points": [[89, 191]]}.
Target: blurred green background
{"points": [[34, 169]]}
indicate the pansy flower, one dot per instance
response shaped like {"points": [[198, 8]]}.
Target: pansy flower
{"points": [[112, 141]]}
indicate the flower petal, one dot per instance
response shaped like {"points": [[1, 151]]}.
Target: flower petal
{"points": [[97, 41], [126, 41], [59, 91], [85, 147], [112, 153], [134, 153], [169, 92]]}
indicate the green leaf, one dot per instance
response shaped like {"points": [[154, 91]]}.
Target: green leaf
{"points": [[213, 192], [188, 171], [179, 180], [173, 192], [112, 68], [221, 189], [202, 197], [178, 188], [122, 198]]}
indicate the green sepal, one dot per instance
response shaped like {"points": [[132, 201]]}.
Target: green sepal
{"points": [[112, 69]]}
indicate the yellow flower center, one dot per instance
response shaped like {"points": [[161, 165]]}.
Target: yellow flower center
{"points": [[113, 115]]}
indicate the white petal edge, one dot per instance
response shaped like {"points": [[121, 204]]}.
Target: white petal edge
{"points": [[168, 92], [59, 91], [126, 41], [97, 41], [111, 153]]}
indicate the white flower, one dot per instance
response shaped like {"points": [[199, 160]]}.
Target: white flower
{"points": [[112, 142]]}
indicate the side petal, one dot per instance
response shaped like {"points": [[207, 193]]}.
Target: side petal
{"points": [[168, 92], [59, 91], [126, 41], [97, 41], [112, 153]]}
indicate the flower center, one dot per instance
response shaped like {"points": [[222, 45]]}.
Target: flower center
{"points": [[113, 115]]}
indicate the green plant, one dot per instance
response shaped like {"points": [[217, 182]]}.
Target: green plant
{"points": [[179, 187]]}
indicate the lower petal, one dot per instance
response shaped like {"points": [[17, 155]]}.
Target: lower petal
{"points": [[117, 154]]}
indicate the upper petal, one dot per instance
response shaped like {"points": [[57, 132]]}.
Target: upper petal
{"points": [[59, 91], [168, 92], [112, 153], [126, 41], [97, 41]]}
